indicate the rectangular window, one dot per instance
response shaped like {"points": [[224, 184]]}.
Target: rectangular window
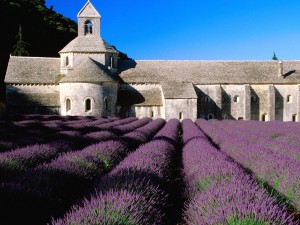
{"points": [[180, 115], [151, 114]]}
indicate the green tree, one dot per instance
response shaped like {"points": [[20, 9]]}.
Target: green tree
{"points": [[274, 57], [20, 48]]}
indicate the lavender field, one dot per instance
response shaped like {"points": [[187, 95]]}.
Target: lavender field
{"points": [[129, 171]]}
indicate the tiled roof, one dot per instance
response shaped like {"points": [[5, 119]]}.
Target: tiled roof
{"points": [[32, 70], [209, 72], [175, 90], [89, 71], [140, 97], [88, 44]]}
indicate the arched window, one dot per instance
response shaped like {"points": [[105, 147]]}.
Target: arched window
{"points": [[106, 102], [289, 99], [225, 116], [88, 27], [68, 105], [211, 116], [236, 98], [264, 117], [88, 105], [206, 99], [294, 117]]}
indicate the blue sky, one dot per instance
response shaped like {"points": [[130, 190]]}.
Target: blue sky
{"points": [[197, 29]]}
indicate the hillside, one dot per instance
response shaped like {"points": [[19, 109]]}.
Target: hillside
{"points": [[41, 30]]}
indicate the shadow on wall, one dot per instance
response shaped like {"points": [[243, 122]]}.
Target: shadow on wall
{"points": [[2, 109], [206, 106], [31, 103], [226, 105], [127, 98], [255, 101], [279, 104]]}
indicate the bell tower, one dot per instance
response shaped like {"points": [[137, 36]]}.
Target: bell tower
{"points": [[88, 21]]}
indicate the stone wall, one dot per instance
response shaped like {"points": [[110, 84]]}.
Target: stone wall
{"points": [[286, 102], [28, 99], [233, 101], [209, 101], [260, 102], [75, 58], [147, 111], [180, 109], [79, 93]]}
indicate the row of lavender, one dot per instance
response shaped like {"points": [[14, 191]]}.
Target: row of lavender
{"points": [[283, 138], [46, 186], [137, 190], [21, 159], [277, 171], [43, 129], [219, 191]]}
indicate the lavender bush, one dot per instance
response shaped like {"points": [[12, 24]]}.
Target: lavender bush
{"points": [[22, 159], [278, 171], [133, 193], [218, 191], [52, 187]]}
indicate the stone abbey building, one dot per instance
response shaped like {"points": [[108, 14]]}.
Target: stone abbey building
{"points": [[89, 80]]}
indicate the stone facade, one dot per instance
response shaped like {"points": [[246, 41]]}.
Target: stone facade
{"points": [[89, 80]]}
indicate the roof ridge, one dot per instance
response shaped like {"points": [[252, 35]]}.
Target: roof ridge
{"points": [[200, 60], [33, 57]]}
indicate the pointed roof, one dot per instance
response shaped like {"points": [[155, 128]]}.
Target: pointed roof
{"points": [[88, 10], [89, 71]]}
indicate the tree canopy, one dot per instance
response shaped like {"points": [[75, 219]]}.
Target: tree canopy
{"points": [[28, 27], [274, 56]]}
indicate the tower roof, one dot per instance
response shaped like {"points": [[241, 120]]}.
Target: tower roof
{"points": [[89, 71], [88, 10], [88, 43]]}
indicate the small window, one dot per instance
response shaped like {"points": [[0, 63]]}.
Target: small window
{"points": [[236, 98], [264, 117], [106, 102], [289, 99], [152, 114], [88, 105], [180, 115], [206, 99], [68, 104], [225, 116], [211, 116], [88, 27], [111, 62], [294, 118], [66, 61], [241, 118]]}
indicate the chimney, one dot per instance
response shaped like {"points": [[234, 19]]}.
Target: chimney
{"points": [[280, 68]]}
